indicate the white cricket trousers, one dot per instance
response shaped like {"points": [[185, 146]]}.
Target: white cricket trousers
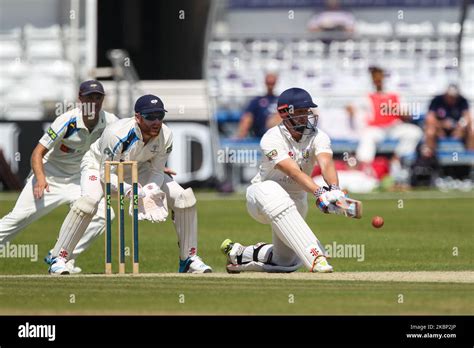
{"points": [[28, 209], [282, 254], [408, 136]]}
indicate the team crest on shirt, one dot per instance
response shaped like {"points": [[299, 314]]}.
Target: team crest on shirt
{"points": [[306, 154], [272, 154]]}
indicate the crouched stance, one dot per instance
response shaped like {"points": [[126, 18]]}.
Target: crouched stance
{"points": [[145, 139], [278, 194]]}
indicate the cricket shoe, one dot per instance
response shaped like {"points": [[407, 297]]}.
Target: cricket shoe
{"points": [[193, 264], [58, 266], [321, 265], [73, 269], [71, 266]]}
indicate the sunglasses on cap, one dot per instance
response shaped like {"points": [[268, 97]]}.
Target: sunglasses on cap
{"points": [[153, 116]]}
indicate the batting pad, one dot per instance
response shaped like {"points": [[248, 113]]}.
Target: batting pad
{"points": [[260, 253], [185, 222], [296, 234], [74, 226]]}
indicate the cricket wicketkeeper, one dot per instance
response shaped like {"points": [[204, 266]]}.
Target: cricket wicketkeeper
{"points": [[278, 194], [145, 139]]}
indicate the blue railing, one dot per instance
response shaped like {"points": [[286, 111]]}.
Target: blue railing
{"points": [[450, 151]]}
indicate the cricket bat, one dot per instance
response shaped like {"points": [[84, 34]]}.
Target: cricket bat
{"points": [[348, 207]]}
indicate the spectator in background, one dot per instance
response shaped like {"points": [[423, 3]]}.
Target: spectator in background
{"points": [[333, 18], [383, 118], [261, 113], [448, 116]]}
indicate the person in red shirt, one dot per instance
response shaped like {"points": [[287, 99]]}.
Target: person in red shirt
{"points": [[384, 119]]}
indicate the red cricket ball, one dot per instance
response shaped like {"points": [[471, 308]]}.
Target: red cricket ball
{"points": [[377, 221]]}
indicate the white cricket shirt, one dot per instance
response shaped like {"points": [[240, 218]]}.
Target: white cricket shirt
{"points": [[277, 144], [123, 140], [68, 139]]}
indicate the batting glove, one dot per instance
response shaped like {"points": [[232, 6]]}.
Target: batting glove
{"points": [[324, 197], [321, 201]]}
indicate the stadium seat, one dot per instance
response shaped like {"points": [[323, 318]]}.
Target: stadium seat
{"points": [[448, 28], [382, 29], [61, 69], [15, 70], [49, 33], [44, 50], [415, 30], [10, 50]]}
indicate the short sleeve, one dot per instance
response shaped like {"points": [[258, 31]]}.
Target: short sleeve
{"points": [[252, 105], [273, 149], [322, 143], [54, 133]]}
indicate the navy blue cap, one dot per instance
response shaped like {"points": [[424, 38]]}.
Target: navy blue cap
{"points": [[91, 86], [298, 98], [149, 103]]}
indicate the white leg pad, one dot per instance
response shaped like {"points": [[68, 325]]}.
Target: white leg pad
{"points": [[260, 252], [293, 231], [296, 234], [257, 258], [186, 199], [185, 222], [80, 215], [275, 205], [93, 231]]}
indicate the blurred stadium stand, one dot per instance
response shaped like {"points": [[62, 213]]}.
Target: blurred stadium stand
{"points": [[44, 56], [36, 69], [419, 55]]}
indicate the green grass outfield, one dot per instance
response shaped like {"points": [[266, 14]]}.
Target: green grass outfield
{"points": [[423, 231]]}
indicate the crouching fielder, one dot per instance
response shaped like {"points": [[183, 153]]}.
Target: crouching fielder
{"points": [[145, 139], [277, 196]]}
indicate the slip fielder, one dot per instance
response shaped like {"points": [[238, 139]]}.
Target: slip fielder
{"points": [[278, 193], [55, 164], [144, 139]]}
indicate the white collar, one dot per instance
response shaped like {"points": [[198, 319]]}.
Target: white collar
{"points": [[101, 124], [138, 131]]}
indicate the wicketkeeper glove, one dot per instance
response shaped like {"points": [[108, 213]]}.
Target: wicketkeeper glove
{"points": [[153, 206], [129, 191]]}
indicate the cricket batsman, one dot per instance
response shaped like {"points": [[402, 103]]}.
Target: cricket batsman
{"points": [[278, 193], [55, 164], [144, 139]]}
